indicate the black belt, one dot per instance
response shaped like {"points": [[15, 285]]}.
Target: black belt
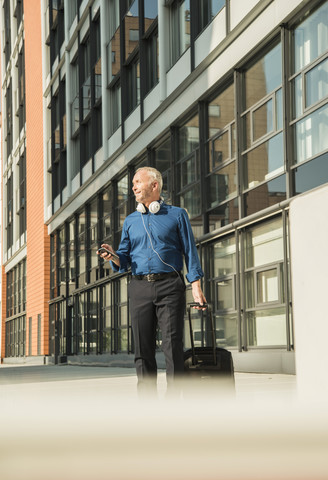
{"points": [[154, 277]]}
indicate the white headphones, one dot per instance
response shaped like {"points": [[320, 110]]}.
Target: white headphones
{"points": [[154, 207]]}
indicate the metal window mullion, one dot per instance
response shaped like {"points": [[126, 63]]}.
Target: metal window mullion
{"points": [[239, 138], [286, 108], [287, 292], [243, 326]]}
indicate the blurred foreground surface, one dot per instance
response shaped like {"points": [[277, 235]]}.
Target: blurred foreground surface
{"points": [[70, 422]]}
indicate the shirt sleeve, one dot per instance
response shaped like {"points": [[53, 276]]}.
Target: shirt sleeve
{"points": [[123, 251], [195, 271]]}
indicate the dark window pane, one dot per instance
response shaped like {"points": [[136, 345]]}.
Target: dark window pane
{"points": [[264, 161], [223, 215], [266, 195], [221, 185], [263, 77], [311, 174]]}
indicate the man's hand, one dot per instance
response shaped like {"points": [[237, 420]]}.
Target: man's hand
{"points": [[198, 295], [107, 255]]}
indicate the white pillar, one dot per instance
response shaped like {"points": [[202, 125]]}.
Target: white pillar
{"points": [[309, 269]]}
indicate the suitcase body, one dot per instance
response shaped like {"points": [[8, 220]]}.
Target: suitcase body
{"points": [[211, 365]]}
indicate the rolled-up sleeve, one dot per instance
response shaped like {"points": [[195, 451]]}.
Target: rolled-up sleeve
{"points": [[194, 268]]}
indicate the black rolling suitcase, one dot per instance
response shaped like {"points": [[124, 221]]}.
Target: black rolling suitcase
{"points": [[213, 366]]}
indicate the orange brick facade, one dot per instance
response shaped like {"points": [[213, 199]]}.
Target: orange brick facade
{"points": [[37, 240], [38, 243]]}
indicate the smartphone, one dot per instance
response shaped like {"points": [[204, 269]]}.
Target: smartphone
{"points": [[105, 250]]}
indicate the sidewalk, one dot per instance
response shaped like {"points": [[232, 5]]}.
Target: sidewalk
{"points": [[122, 381], [69, 422]]}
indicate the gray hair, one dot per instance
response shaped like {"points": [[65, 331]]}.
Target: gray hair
{"points": [[154, 175]]}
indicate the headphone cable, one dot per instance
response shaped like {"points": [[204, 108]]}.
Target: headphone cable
{"points": [[151, 243]]}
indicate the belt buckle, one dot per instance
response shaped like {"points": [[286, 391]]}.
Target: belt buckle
{"points": [[150, 277]]}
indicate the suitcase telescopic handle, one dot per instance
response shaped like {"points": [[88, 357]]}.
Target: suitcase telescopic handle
{"points": [[195, 304]]}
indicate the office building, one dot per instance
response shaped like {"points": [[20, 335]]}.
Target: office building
{"points": [[229, 100]]}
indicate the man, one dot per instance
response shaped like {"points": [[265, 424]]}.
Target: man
{"points": [[154, 241]]}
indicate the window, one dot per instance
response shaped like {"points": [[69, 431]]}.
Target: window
{"points": [[81, 249], [131, 27], [221, 177], [116, 113], [93, 241], [179, 29], [21, 208], [162, 154], [123, 328], [15, 334], [7, 28], [59, 141], [53, 266], [263, 155], [71, 255], [21, 89], [57, 29], [122, 203], [62, 277], [309, 86], [106, 315], [150, 13], [18, 13], [222, 279], [133, 85], [152, 61], [10, 211], [9, 118], [106, 224], [205, 11], [264, 279], [188, 172]]}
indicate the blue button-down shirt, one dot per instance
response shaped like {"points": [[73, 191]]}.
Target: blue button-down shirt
{"points": [[169, 234]]}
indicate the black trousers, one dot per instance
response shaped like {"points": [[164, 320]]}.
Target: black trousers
{"points": [[163, 303]]}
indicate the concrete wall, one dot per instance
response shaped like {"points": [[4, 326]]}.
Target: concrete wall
{"points": [[309, 265]]}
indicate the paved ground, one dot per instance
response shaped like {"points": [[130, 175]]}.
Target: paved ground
{"points": [[70, 422]]}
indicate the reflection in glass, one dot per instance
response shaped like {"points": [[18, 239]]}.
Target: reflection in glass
{"points": [[310, 38], [264, 244], [297, 109], [312, 174], [179, 29], [150, 12], [221, 111], [225, 294], [224, 257], [316, 83], [222, 185], [190, 200], [267, 286], [223, 215], [262, 120], [162, 155], [263, 77], [189, 137], [266, 195], [189, 170], [220, 150], [264, 162], [267, 327], [311, 135], [226, 330]]}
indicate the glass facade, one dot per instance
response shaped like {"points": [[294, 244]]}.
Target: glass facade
{"points": [[253, 142]]}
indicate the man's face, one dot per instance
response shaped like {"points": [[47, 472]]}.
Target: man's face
{"points": [[143, 187]]}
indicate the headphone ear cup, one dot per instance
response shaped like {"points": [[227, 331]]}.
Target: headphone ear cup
{"points": [[141, 208], [154, 207]]}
